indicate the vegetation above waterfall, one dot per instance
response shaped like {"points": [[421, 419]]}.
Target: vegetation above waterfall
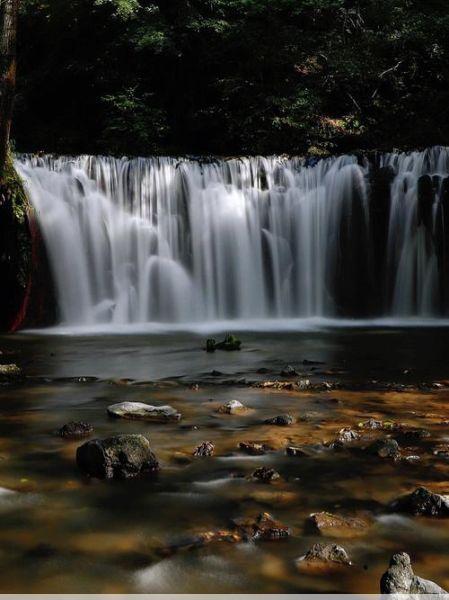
{"points": [[231, 76]]}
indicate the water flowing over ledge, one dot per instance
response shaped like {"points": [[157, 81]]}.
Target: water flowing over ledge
{"points": [[187, 242]]}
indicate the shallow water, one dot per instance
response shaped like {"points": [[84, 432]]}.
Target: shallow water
{"points": [[62, 532]]}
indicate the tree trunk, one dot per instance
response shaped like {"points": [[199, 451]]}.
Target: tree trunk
{"points": [[8, 34]]}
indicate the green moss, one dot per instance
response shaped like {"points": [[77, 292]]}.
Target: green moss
{"points": [[15, 192]]}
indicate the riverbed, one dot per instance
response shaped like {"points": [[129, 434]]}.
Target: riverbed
{"points": [[63, 532]]}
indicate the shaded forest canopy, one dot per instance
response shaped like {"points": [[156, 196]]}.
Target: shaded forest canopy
{"points": [[231, 76]]}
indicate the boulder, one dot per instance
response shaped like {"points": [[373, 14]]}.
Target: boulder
{"points": [[143, 412], [118, 457], [204, 449], [400, 579], [336, 525], [229, 344], [262, 528], [280, 420], [324, 556], [265, 475], [75, 429], [10, 371], [233, 407], [386, 448], [422, 502]]}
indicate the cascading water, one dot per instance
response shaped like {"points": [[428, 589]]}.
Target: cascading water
{"points": [[177, 240]]}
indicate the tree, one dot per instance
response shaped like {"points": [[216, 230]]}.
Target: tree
{"points": [[9, 14]]}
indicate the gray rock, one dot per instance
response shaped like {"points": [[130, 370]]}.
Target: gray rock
{"points": [[326, 553], [400, 579], [289, 371], [144, 412], [75, 429], [204, 449], [233, 407], [118, 457], [422, 502], [265, 475], [387, 448], [295, 451], [281, 420]]}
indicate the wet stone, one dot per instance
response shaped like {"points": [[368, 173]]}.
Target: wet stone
{"points": [[441, 451], [295, 451], [204, 449], [10, 371], [265, 475], [117, 457], [400, 579], [75, 429], [387, 448], [232, 407], [280, 420], [262, 528], [324, 556], [336, 525], [422, 502], [144, 412], [253, 448], [289, 371]]}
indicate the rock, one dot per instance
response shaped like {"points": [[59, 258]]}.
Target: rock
{"points": [[303, 384], [422, 502], [345, 436], [289, 371], [233, 407], [262, 528], [253, 448], [144, 412], [265, 475], [263, 371], [11, 371], [280, 420], [295, 451], [442, 451], [120, 457], [374, 424], [400, 579], [412, 436], [200, 540], [336, 525], [216, 373], [75, 429], [204, 449], [229, 344], [311, 362], [387, 448], [324, 556], [276, 385]]}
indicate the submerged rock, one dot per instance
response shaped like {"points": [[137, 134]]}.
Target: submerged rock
{"points": [[400, 579], [324, 556], [280, 420], [120, 457], [295, 451], [204, 449], [233, 407], [75, 429], [264, 528], [253, 448], [10, 371], [336, 525], [289, 371], [229, 344], [200, 540], [265, 475], [144, 412], [422, 502], [387, 448]]}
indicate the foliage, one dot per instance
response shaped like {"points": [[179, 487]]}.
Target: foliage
{"points": [[232, 76]]}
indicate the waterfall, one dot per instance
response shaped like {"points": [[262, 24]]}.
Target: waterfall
{"points": [[177, 240]]}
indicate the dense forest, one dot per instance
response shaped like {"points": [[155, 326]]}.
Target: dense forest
{"points": [[231, 76]]}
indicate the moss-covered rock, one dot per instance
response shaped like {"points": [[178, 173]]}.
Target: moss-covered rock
{"points": [[15, 245]]}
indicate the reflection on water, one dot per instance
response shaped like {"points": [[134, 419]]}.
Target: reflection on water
{"points": [[60, 532]]}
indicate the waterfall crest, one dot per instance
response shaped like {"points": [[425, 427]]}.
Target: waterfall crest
{"points": [[177, 240]]}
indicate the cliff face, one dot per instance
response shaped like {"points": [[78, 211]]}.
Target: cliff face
{"points": [[26, 297]]}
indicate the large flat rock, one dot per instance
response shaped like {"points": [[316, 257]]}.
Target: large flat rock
{"points": [[144, 412]]}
